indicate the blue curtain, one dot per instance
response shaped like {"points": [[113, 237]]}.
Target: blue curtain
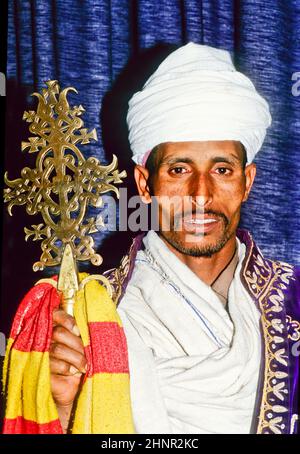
{"points": [[106, 49]]}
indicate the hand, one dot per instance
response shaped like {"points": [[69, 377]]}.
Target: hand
{"points": [[67, 360]]}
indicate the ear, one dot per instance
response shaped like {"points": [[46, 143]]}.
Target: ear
{"points": [[141, 175], [250, 172]]}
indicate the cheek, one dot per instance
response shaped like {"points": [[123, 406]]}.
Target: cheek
{"points": [[230, 197], [164, 186]]}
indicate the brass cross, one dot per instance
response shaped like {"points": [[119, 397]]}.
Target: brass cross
{"points": [[63, 184]]}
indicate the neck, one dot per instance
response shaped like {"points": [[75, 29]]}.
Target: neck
{"points": [[207, 268]]}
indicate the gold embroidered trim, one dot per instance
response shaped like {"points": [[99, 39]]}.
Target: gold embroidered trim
{"points": [[293, 328], [268, 291], [117, 276]]}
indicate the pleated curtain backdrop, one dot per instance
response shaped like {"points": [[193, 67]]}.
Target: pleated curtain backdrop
{"points": [[100, 45]]}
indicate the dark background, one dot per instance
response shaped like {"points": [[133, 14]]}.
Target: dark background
{"points": [[3, 48]]}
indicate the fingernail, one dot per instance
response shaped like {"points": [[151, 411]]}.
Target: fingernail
{"points": [[73, 370], [83, 369], [75, 330]]}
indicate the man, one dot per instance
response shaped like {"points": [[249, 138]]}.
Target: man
{"points": [[210, 324]]}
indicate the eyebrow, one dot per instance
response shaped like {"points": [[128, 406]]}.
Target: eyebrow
{"points": [[186, 160], [234, 159], [176, 160]]}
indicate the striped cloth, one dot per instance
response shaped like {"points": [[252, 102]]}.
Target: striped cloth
{"points": [[103, 405]]}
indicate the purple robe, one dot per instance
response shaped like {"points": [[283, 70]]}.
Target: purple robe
{"points": [[275, 289]]}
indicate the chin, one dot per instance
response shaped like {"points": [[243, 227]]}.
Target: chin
{"points": [[200, 245]]}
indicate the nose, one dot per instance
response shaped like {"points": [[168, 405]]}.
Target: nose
{"points": [[201, 191]]}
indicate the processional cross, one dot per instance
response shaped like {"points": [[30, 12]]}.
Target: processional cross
{"points": [[61, 187]]}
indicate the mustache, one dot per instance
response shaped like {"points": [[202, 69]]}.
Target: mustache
{"points": [[178, 218]]}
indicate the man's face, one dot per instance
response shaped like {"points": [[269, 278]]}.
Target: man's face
{"points": [[200, 187]]}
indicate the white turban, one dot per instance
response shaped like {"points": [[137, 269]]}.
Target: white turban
{"points": [[197, 94]]}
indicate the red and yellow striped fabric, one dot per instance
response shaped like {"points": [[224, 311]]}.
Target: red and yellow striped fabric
{"points": [[103, 405]]}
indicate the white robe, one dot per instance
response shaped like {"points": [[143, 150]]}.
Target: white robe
{"points": [[193, 368]]}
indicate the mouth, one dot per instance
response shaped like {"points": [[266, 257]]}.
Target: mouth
{"points": [[200, 221], [200, 224]]}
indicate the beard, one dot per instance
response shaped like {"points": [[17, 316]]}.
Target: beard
{"points": [[173, 237]]}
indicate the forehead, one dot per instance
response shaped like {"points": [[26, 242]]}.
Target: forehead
{"points": [[200, 150]]}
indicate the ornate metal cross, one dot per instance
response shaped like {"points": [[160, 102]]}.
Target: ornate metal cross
{"points": [[62, 185]]}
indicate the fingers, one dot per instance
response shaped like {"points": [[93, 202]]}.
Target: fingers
{"points": [[64, 389], [68, 355], [58, 367], [60, 317], [62, 335], [66, 350]]}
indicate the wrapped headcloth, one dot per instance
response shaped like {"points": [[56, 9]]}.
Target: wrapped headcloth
{"points": [[196, 94]]}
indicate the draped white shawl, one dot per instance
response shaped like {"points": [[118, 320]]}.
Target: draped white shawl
{"points": [[193, 368]]}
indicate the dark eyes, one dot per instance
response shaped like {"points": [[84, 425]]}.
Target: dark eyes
{"points": [[179, 170], [223, 171]]}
